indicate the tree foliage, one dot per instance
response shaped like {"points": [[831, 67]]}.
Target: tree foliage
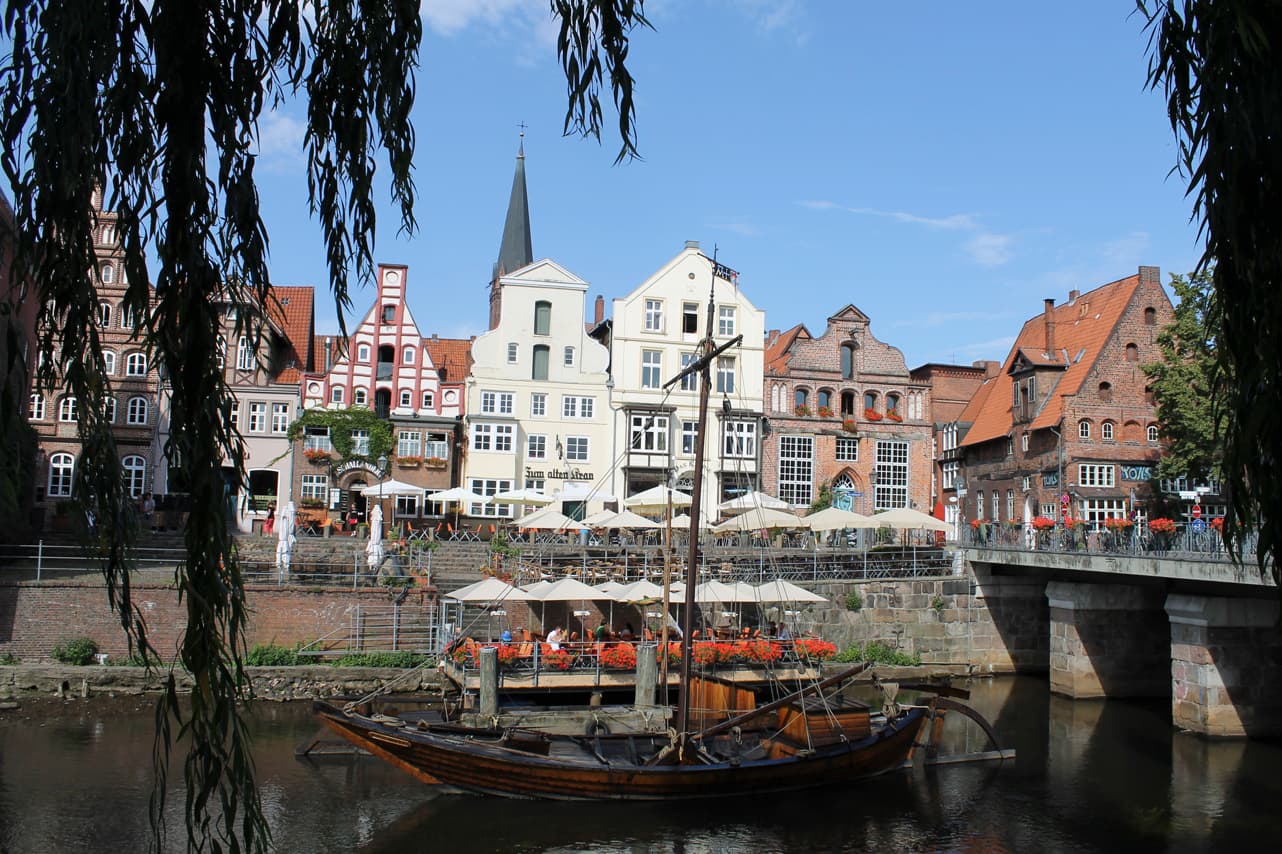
{"points": [[159, 104], [1188, 383], [1218, 63]]}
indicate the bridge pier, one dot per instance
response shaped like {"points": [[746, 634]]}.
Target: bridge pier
{"points": [[1009, 633], [1108, 640], [1226, 665]]}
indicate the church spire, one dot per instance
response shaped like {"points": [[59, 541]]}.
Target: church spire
{"points": [[516, 249]]}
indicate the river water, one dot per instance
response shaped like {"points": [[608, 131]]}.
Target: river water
{"points": [[1090, 776]]}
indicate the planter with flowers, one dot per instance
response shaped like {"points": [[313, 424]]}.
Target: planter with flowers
{"points": [[556, 659], [801, 411], [409, 462], [850, 425], [1163, 531], [893, 415], [621, 656], [825, 412], [434, 463], [814, 649], [871, 414], [316, 456], [756, 652]]}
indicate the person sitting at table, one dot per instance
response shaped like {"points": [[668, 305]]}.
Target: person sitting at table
{"points": [[745, 633], [628, 634], [771, 630], [602, 632], [555, 637], [784, 633], [505, 636]]}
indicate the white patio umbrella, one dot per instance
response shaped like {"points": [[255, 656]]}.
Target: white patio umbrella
{"points": [[531, 497], [656, 500], [570, 590], [717, 591], [628, 519], [548, 519], [785, 591], [751, 500], [758, 520], [489, 590], [907, 519], [638, 590], [458, 496], [598, 519], [389, 489], [836, 519]]}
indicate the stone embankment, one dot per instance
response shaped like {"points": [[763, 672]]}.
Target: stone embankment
{"points": [[270, 683]]}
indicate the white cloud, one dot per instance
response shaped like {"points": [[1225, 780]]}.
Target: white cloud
{"points": [[991, 250], [449, 17], [280, 142], [746, 229], [950, 222]]}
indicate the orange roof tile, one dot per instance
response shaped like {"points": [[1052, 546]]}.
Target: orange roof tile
{"points": [[779, 345], [291, 309], [453, 355], [1081, 328]]}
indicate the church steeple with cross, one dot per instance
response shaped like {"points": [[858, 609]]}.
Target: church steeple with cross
{"points": [[516, 248]]}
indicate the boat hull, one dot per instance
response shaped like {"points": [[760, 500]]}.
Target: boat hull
{"points": [[481, 763]]}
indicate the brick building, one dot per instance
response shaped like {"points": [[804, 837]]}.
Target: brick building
{"points": [[844, 410], [17, 340], [1068, 424]]}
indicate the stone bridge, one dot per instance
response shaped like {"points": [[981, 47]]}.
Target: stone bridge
{"points": [[1195, 628]]}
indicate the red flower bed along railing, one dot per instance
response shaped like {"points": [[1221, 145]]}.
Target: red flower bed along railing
{"points": [[1161, 526], [622, 656]]}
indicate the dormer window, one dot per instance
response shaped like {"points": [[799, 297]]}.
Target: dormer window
{"points": [[389, 313]]}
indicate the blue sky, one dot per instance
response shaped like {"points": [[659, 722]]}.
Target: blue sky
{"points": [[942, 166]]}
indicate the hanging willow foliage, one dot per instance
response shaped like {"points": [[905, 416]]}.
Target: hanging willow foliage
{"points": [[158, 103], [1219, 64]]}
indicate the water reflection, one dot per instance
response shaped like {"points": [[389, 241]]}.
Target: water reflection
{"points": [[1090, 776]]}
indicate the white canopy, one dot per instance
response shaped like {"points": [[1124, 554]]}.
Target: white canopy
{"points": [[599, 518], [548, 519], [489, 590], [389, 488], [627, 519], [458, 495], [835, 519], [610, 587], [656, 500], [758, 520], [719, 591], [522, 496], [638, 590], [908, 519], [750, 500], [785, 591], [577, 490], [568, 590]]}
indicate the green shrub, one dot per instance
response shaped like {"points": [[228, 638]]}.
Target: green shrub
{"points": [[937, 603], [854, 601], [403, 659], [271, 655], [877, 653], [8, 658], [75, 651]]}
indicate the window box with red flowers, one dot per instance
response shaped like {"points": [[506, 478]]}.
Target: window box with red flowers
{"points": [[850, 425], [1043, 523], [317, 456], [409, 462], [1163, 531], [825, 412], [893, 415], [801, 411], [622, 656], [1118, 524], [872, 415], [434, 463]]}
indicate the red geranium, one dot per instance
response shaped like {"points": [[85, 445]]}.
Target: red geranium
{"points": [[557, 659], [1161, 526], [1041, 523], [814, 648], [623, 656]]}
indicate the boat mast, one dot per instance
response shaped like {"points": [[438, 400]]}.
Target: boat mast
{"points": [[701, 367]]}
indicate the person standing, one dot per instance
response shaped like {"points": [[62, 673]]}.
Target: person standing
{"points": [[148, 510]]}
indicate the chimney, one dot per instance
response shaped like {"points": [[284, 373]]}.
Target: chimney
{"points": [[328, 349], [598, 312], [1073, 295], [1049, 316], [1150, 276], [692, 244]]}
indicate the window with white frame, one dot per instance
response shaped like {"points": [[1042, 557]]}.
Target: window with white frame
{"points": [[436, 444], [569, 357], [648, 432], [979, 505], [1096, 510], [535, 483], [407, 505], [651, 368], [244, 354], [110, 410], [126, 317], [233, 415], [67, 409], [513, 349], [740, 439], [725, 320], [689, 382], [257, 417], [690, 318], [1026, 483], [996, 498], [108, 272], [109, 363], [1010, 504], [315, 486], [1094, 474], [336, 394], [1023, 441], [407, 398], [576, 449], [136, 413], [136, 365], [104, 315], [689, 437], [360, 443], [36, 409], [725, 375], [317, 439], [536, 447], [429, 400], [492, 437], [1048, 510], [490, 486], [847, 449], [653, 315], [1106, 431], [280, 418], [407, 355], [1152, 433], [796, 469], [62, 468], [1083, 429], [891, 469], [538, 404], [949, 473], [360, 397], [134, 474], [409, 443], [576, 406], [362, 354], [496, 402]]}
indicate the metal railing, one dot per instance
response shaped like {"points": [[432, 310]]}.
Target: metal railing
{"points": [[383, 628], [1136, 541]]}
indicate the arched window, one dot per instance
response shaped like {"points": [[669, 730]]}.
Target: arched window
{"points": [[1106, 431], [870, 400], [67, 409], [362, 354], [136, 365], [847, 361], [1083, 429], [109, 363], [360, 397], [108, 272], [539, 364], [135, 474], [429, 400], [383, 402], [1150, 316], [1105, 392], [800, 397], [62, 467], [824, 399], [892, 404], [36, 410], [126, 317], [1132, 353], [104, 315], [774, 397], [543, 318], [136, 414], [407, 355], [1152, 433]]}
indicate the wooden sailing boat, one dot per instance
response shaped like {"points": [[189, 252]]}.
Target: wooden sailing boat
{"points": [[802, 740]]}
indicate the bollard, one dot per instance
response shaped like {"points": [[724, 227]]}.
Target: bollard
{"points": [[647, 673], [489, 705]]}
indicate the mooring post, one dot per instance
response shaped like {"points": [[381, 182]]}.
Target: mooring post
{"points": [[489, 706], [647, 673]]}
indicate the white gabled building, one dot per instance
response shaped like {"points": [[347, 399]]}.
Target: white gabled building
{"points": [[537, 413], [653, 334]]}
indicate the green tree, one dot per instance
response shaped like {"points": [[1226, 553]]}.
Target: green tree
{"points": [[1217, 61], [1187, 383], [158, 104]]}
